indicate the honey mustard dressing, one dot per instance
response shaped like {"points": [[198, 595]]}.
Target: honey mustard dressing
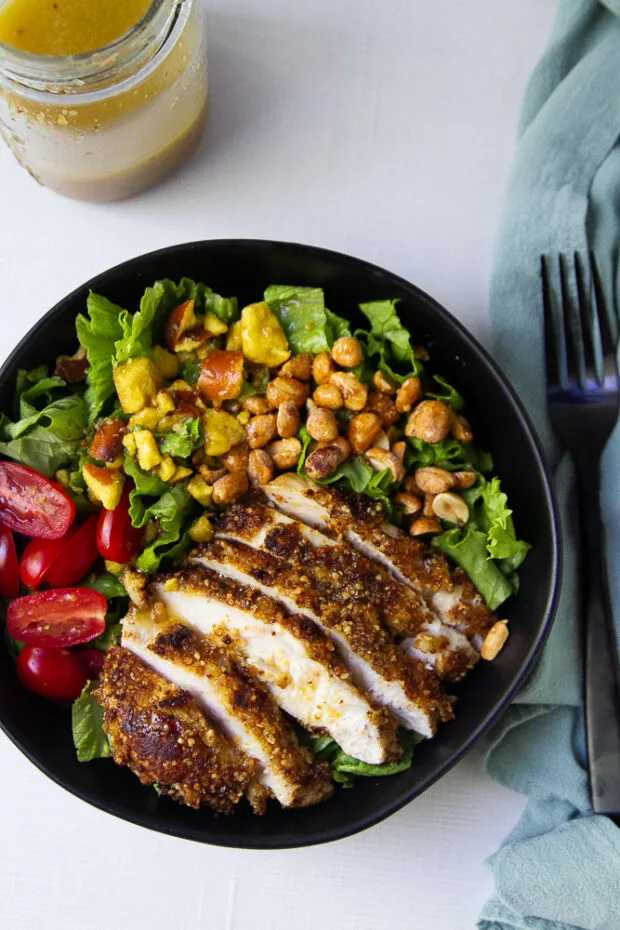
{"points": [[116, 118], [67, 27]]}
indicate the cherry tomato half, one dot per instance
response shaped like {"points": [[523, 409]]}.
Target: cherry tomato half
{"points": [[92, 660], [32, 504], [117, 539], [39, 556], [76, 557], [51, 672], [60, 617], [9, 568]]}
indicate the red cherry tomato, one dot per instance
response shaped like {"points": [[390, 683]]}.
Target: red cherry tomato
{"points": [[32, 504], [39, 556], [76, 556], [61, 617], [92, 660], [51, 672], [117, 539], [9, 568]]}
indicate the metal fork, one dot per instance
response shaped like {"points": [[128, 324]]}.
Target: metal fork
{"points": [[584, 400]]}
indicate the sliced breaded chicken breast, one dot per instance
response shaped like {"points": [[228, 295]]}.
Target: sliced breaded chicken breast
{"points": [[289, 653], [361, 521], [159, 732], [377, 664], [217, 679], [401, 609]]}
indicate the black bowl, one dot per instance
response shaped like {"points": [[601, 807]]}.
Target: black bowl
{"points": [[245, 267]]}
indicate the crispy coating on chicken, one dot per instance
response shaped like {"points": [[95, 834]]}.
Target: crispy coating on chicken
{"points": [[401, 609], [289, 653], [362, 522], [160, 733], [393, 678], [216, 675]]}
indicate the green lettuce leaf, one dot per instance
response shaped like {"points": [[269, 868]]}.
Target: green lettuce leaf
{"points": [[172, 512], [389, 340], [345, 769], [98, 333], [107, 584], [308, 324], [446, 393], [469, 550], [184, 438], [50, 428], [450, 454], [89, 737], [502, 542]]}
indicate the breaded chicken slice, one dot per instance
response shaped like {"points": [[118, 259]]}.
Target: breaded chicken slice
{"points": [[159, 732], [221, 683], [290, 655]]}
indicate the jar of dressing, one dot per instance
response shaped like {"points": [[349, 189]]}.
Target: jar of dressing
{"points": [[99, 100]]}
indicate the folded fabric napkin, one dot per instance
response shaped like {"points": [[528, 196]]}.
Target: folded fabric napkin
{"points": [[560, 867]]}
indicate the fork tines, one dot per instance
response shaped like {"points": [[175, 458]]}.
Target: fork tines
{"points": [[579, 341]]}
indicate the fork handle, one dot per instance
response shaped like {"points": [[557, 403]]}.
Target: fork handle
{"points": [[602, 679]]}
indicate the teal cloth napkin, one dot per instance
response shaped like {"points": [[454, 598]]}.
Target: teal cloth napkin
{"points": [[560, 867]]}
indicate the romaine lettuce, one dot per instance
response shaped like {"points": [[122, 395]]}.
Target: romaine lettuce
{"points": [[50, 428], [308, 324], [89, 737], [389, 340], [186, 436], [345, 769]]}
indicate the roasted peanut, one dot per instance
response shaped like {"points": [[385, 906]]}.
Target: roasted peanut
{"points": [[424, 525], [260, 467], [363, 430], [328, 395], [494, 640], [408, 394], [430, 421], [211, 475], [323, 461], [383, 383], [261, 430], [287, 419], [347, 352], [282, 389], [236, 459], [384, 407], [421, 353], [393, 434], [354, 393], [322, 368], [322, 424], [382, 440], [433, 480], [410, 504], [461, 429], [341, 444], [411, 487], [285, 453], [257, 405], [230, 488], [399, 449], [450, 507], [298, 366], [380, 460], [428, 506], [465, 479]]}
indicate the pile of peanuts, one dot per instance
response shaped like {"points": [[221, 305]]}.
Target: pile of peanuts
{"points": [[344, 416]]}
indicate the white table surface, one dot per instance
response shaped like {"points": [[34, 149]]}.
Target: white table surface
{"points": [[381, 128]]}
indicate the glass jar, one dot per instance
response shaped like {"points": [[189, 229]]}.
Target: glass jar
{"points": [[103, 125]]}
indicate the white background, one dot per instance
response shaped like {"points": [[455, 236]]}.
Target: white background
{"points": [[382, 128]]}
